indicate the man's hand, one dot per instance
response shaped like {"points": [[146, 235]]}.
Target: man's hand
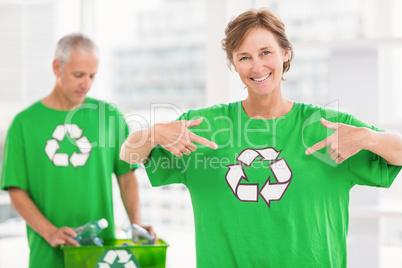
{"points": [[344, 143], [63, 236], [150, 230], [178, 139]]}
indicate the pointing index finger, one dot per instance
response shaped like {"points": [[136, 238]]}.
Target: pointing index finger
{"points": [[318, 146], [329, 124], [194, 122], [203, 141]]}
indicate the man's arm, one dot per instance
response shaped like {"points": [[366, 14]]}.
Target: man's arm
{"points": [[129, 195], [129, 192], [28, 210]]}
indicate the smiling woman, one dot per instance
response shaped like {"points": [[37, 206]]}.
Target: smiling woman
{"points": [[298, 201], [261, 69], [260, 53], [236, 33]]}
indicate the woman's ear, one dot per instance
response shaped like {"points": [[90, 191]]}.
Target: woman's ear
{"points": [[286, 55], [234, 66]]}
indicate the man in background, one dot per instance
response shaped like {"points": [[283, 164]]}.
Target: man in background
{"points": [[60, 154]]}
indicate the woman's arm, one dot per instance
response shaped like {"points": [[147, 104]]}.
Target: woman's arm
{"points": [[349, 140], [387, 145], [173, 136]]}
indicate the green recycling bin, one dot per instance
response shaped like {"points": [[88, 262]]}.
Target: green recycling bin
{"points": [[118, 253]]}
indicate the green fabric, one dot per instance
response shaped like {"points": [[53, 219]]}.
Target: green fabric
{"points": [[305, 227], [66, 195]]}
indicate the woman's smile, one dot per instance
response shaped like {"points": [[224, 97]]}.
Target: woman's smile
{"points": [[261, 79], [259, 62]]}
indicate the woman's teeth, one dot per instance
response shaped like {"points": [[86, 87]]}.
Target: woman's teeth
{"points": [[261, 78]]}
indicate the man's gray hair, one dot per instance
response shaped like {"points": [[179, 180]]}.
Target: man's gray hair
{"points": [[74, 41]]}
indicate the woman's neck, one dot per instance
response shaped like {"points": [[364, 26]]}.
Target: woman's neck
{"points": [[266, 107]]}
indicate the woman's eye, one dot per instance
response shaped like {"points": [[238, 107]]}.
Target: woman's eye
{"points": [[244, 58]]}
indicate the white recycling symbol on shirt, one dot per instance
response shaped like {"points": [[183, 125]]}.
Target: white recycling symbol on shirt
{"points": [[269, 191], [123, 257], [63, 159]]}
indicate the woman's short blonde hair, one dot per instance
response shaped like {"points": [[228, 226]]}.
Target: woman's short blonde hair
{"points": [[265, 18]]}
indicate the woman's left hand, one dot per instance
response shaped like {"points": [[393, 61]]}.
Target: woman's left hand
{"points": [[344, 143]]}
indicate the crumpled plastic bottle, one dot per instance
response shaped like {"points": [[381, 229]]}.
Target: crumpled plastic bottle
{"points": [[139, 232]]}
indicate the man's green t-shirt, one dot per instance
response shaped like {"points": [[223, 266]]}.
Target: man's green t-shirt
{"points": [[65, 161], [259, 200]]}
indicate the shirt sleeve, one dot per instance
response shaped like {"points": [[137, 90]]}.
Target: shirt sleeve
{"points": [[14, 171], [367, 168]]}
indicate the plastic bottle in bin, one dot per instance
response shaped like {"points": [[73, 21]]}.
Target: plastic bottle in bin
{"points": [[87, 234], [139, 232]]}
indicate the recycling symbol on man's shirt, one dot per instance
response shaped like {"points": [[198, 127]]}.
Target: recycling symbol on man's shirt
{"points": [[117, 258], [269, 191], [63, 159]]}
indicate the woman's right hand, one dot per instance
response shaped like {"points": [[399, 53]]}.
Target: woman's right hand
{"points": [[178, 139]]}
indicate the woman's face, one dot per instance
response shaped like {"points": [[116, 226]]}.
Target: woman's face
{"points": [[259, 62]]}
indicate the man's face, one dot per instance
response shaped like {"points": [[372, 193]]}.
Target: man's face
{"points": [[76, 78]]}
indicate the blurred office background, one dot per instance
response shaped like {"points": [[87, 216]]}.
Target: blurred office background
{"points": [[162, 57]]}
